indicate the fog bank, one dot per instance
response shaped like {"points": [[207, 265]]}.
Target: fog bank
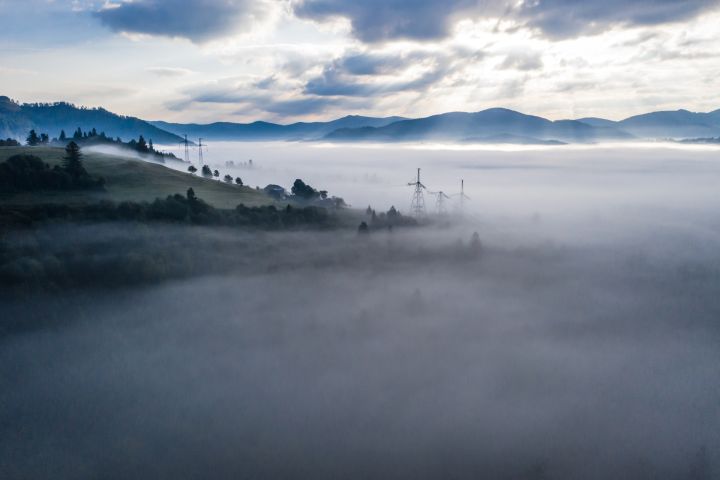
{"points": [[581, 341]]}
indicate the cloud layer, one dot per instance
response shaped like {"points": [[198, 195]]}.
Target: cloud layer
{"points": [[197, 20], [383, 20]]}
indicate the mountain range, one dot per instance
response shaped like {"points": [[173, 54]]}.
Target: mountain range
{"points": [[494, 125], [17, 119], [273, 131]]}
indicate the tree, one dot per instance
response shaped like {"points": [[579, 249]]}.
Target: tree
{"points": [[228, 179], [72, 162], [216, 173], [238, 181], [78, 134], [302, 190], [192, 169], [369, 211], [142, 145], [206, 172], [150, 146], [363, 228], [191, 195], [63, 137], [44, 138], [32, 138]]}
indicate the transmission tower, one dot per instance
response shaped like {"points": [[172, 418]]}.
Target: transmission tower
{"points": [[462, 197], [200, 152], [440, 198], [186, 144], [417, 206]]}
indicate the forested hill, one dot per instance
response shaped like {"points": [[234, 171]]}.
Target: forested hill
{"points": [[17, 119]]}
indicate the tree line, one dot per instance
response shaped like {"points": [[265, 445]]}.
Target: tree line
{"points": [[182, 209], [92, 137], [24, 172]]}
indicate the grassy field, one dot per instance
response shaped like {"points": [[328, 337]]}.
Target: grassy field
{"points": [[131, 179]]}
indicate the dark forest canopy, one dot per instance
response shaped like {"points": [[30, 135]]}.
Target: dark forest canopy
{"points": [[26, 172], [184, 209]]}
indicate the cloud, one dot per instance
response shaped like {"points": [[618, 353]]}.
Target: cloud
{"points": [[282, 101], [385, 20], [570, 18], [522, 61], [382, 73], [197, 20], [333, 82], [380, 20], [169, 71]]}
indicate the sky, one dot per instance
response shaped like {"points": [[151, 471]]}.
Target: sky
{"points": [[299, 60]]}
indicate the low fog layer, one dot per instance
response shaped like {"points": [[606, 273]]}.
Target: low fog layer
{"points": [[581, 341], [511, 180]]}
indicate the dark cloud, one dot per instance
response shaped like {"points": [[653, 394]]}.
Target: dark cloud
{"points": [[334, 83], [382, 20], [569, 18], [197, 20], [367, 73], [372, 63]]}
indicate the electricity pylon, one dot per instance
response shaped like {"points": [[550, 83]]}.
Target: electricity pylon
{"points": [[440, 198], [417, 206], [462, 196], [186, 144], [200, 152]]}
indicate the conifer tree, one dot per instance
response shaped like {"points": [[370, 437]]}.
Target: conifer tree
{"points": [[142, 145], [72, 162], [32, 138]]}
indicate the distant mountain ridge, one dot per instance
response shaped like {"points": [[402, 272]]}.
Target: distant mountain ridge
{"points": [[272, 131], [675, 124], [494, 122], [17, 119], [494, 125]]}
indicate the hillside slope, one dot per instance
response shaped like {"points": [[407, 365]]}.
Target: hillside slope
{"points": [[131, 179], [17, 119]]}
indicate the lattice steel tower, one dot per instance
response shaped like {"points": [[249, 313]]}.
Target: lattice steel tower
{"points": [[417, 206], [462, 196], [187, 149], [440, 198], [200, 152]]}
